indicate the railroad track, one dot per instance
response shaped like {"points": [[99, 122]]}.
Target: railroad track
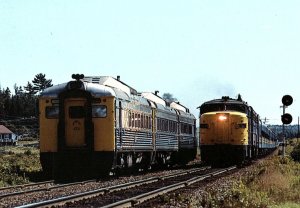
{"points": [[41, 186], [129, 194], [45, 186], [6, 191]]}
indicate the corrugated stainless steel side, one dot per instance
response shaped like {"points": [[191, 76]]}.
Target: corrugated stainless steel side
{"points": [[187, 141], [166, 141], [134, 140]]}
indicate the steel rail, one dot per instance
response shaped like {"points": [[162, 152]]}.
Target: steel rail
{"points": [[26, 185], [102, 191], [44, 189], [152, 194]]}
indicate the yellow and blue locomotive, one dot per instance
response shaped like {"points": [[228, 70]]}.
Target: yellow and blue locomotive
{"points": [[92, 125], [231, 132]]}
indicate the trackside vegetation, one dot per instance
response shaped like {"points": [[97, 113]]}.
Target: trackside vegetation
{"points": [[19, 165], [273, 182]]}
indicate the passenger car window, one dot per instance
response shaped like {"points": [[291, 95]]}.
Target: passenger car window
{"points": [[52, 112], [99, 111], [76, 112]]}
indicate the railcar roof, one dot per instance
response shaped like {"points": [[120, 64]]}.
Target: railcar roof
{"points": [[229, 101], [111, 82], [95, 89]]}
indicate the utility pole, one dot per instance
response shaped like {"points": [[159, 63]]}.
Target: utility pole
{"points": [[283, 133]]}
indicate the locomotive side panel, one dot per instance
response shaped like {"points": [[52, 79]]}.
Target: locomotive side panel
{"points": [[48, 125], [104, 124]]}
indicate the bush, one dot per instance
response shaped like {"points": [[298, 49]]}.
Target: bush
{"points": [[295, 154], [19, 165]]}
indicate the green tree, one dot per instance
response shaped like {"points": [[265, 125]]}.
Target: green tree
{"points": [[30, 89], [18, 90], [40, 82], [2, 111]]}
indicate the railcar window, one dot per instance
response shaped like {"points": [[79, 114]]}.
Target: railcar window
{"points": [[139, 120], [190, 129], [142, 121], [52, 112], [166, 125], [76, 112], [132, 119], [158, 124], [129, 119], [136, 120], [173, 126], [149, 122], [99, 111]]}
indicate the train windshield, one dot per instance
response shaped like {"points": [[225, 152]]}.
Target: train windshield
{"points": [[223, 107], [52, 112], [99, 111]]}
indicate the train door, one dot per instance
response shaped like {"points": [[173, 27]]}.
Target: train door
{"points": [[75, 113], [222, 128]]}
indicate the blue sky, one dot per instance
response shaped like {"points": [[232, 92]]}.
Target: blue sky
{"points": [[195, 50]]}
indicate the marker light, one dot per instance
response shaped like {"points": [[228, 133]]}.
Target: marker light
{"points": [[222, 117]]}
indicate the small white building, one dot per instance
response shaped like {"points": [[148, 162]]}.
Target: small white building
{"points": [[7, 137]]}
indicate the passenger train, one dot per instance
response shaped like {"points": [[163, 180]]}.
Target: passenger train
{"points": [[93, 125], [231, 132]]}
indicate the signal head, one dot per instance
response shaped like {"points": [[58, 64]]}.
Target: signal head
{"points": [[286, 118], [287, 100]]}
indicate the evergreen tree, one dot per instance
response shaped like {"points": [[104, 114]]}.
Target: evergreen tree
{"points": [[40, 82], [1, 103], [18, 90], [30, 89]]}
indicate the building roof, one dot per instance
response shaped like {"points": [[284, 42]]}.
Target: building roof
{"points": [[4, 130]]}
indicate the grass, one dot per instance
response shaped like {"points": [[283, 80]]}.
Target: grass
{"points": [[273, 182], [19, 165]]}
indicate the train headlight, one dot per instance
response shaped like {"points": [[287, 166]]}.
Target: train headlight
{"points": [[222, 117]]}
